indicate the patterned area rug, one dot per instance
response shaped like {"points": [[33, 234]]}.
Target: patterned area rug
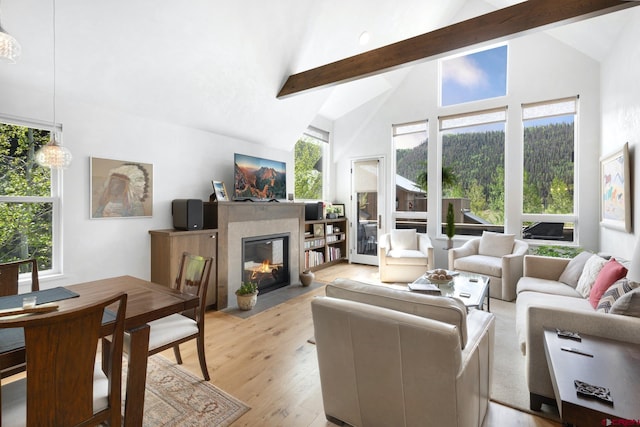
{"points": [[175, 397]]}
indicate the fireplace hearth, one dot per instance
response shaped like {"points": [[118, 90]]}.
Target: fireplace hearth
{"points": [[265, 261]]}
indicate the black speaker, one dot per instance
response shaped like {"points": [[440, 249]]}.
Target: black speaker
{"points": [[313, 211], [187, 214]]}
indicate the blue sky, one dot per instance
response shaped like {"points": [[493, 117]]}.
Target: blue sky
{"points": [[476, 76]]}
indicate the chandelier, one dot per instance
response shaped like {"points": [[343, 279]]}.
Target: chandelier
{"points": [[9, 46]]}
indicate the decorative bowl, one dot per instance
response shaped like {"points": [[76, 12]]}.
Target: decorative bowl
{"points": [[440, 282]]}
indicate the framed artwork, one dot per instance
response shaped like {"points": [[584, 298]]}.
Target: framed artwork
{"points": [[318, 230], [615, 198], [339, 209], [120, 189], [220, 191]]}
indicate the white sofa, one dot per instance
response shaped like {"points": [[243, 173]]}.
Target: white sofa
{"points": [[545, 301], [404, 255], [389, 357]]}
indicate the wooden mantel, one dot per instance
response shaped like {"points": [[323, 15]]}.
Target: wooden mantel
{"points": [[494, 26]]}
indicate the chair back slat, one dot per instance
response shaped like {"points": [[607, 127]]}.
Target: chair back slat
{"points": [[9, 274], [193, 279]]}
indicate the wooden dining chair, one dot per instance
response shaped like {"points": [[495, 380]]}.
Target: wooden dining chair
{"points": [[173, 330], [9, 272], [64, 384]]}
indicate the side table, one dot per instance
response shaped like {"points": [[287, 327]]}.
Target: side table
{"points": [[607, 363]]}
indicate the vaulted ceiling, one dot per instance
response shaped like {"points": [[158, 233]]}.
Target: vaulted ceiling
{"points": [[218, 65]]}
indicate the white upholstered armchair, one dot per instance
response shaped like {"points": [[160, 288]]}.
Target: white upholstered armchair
{"points": [[389, 357], [496, 255], [404, 255]]}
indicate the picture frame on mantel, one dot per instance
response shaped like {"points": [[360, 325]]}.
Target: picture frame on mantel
{"points": [[220, 191], [615, 190]]}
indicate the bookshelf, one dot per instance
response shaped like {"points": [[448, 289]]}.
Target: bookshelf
{"points": [[325, 243]]}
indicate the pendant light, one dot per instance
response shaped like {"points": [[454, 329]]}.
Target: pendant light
{"points": [[54, 155], [9, 46]]}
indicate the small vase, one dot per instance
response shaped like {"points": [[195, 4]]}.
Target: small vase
{"points": [[306, 277], [247, 302], [450, 244]]}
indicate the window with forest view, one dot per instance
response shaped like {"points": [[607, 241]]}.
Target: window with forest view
{"points": [[309, 158], [548, 180], [27, 202], [410, 145], [473, 170]]}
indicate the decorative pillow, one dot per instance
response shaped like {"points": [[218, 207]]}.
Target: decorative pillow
{"points": [[496, 244], [614, 293], [404, 239], [574, 268], [610, 273], [591, 269], [628, 304]]}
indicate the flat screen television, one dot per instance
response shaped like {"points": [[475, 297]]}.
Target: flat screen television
{"points": [[259, 179]]}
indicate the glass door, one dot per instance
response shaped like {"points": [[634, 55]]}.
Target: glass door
{"points": [[367, 204]]}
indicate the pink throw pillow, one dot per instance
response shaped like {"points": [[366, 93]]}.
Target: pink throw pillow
{"points": [[611, 272]]}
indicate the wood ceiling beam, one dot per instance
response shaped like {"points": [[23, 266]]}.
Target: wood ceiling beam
{"points": [[493, 26]]}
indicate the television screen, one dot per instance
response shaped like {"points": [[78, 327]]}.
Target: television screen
{"points": [[259, 179]]}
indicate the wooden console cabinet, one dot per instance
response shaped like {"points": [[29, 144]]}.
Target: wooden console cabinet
{"points": [[167, 247], [325, 243]]}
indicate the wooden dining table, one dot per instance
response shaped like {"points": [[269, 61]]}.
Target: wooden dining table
{"points": [[146, 301]]}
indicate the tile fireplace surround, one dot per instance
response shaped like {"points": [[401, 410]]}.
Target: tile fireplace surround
{"points": [[237, 220]]}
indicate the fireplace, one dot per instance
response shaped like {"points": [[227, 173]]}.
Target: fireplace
{"points": [[265, 261]]}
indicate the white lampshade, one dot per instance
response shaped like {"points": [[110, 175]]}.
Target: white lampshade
{"points": [[54, 155]]}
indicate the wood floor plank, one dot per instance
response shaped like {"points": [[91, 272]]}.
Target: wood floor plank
{"points": [[266, 361]]}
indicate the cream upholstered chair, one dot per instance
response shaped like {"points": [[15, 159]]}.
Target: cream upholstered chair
{"points": [[389, 357], [404, 255], [496, 255]]}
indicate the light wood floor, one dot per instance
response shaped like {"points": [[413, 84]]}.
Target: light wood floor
{"points": [[266, 362]]}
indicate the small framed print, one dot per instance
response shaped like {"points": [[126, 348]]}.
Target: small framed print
{"points": [[338, 209], [220, 191], [318, 230]]}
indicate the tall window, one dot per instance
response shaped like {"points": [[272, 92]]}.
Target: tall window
{"points": [[310, 161], [548, 181], [410, 145], [473, 170], [475, 76], [29, 197]]}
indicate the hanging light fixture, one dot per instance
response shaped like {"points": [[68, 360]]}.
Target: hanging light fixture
{"points": [[9, 46], [54, 155]]}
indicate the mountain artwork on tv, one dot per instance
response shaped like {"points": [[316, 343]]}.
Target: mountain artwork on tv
{"points": [[259, 179]]}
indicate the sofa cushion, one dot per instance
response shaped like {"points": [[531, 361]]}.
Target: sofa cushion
{"points": [[406, 257], [496, 244], [573, 270], [591, 269], [545, 286], [443, 309], [404, 239], [528, 299], [610, 273], [612, 294], [628, 304], [480, 264]]}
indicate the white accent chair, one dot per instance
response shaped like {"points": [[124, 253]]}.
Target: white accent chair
{"points": [[389, 357], [496, 255], [404, 255]]}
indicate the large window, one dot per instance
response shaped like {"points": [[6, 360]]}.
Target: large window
{"points": [[474, 76], [29, 197], [310, 162], [473, 170], [410, 146], [548, 181]]}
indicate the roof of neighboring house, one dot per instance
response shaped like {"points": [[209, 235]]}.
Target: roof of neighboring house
{"points": [[407, 185]]}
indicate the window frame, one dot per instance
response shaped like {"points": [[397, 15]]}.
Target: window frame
{"points": [[55, 198], [541, 217]]}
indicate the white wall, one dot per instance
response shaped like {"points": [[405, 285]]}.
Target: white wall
{"points": [[620, 92], [184, 163], [540, 68]]}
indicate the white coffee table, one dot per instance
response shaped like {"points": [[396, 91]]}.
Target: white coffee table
{"points": [[471, 289]]}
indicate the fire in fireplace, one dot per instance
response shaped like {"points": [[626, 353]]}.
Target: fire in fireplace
{"points": [[265, 261]]}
